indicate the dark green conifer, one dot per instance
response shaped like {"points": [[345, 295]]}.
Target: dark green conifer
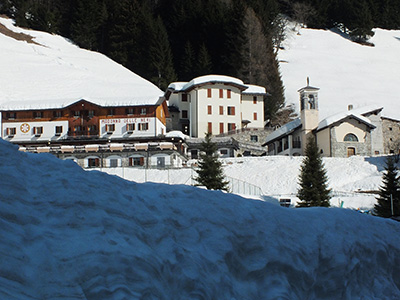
{"points": [[210, 173], [313, 180], [389, 192]]}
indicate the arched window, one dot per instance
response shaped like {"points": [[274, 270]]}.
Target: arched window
{"points": [[350, 138]]}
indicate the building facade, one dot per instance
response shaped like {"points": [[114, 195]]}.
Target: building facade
{"points": [[360, 131], [216, 104]]}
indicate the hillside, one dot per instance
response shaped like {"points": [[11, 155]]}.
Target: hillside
{"points": [[346, 72], [51, 70], [70, 234]]}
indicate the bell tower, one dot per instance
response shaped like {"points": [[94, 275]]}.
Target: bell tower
{"points": [[309, 113]]}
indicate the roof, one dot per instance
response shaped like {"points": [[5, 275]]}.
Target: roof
{"points": [[357, 114], [309, 88], [283, 131], [254, 90], [213, 79], [54, 73]]}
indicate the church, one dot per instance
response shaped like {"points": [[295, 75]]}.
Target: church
{"points": [[363, 131]]}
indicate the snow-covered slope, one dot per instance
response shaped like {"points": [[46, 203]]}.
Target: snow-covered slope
{"points": [[277, 177], [70, 234], [346, 72], [56, 73]]}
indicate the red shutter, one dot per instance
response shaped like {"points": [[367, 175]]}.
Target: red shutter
{"points": [[209, 93], [221, 127], [209, 109], [229, 94], [221, 110], [221, 93], [209, 127], [255, 116]]}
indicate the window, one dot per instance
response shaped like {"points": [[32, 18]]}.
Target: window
{"points": [[254, 138], [184, 114], [11, 115], [57, 114], [160, 162], [136, 161], [209, 109], [255, 116], [76, 113], [231, 110], [92, 129], [38, 114], [228, 94], [221, 127], [93, 162], [209, 127], [78, 128], [110, 128], [390, 128], [350, 138], [91, 113], [209, 93], [311, 101], [221, 110], [113, 162], [184, 97], [194, 154], [223, 151], [111, 112], [130, 127], [254, 99], [221, 93], [59, 130], [11, 131], [231, 126], [143, 111], [38, 131], [130, 111], [143, 126]]}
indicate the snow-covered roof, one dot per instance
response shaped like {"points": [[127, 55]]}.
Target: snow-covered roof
{"points": [[55, 73], [254, 89], [176, 134], [187, 86], [343, 115], [283, 130]]}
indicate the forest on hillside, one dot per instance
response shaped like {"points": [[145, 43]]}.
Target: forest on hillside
{"points": [[169, 40]]}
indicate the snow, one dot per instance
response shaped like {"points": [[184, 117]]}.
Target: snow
{"points": [[284, 129], [71, 234], [346, 72], [353, 180], [56, 73], [249, 88]]}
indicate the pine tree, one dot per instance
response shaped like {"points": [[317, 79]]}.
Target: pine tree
{"points": [[389, 191], [210, 173], [313, 179]]}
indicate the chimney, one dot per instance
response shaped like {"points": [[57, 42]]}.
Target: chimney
{"points": [[350, 107]]}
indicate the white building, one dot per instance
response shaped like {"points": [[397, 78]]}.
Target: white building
{"points": [[216, 104]]}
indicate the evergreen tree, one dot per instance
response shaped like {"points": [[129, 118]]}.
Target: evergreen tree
{"points": [[313, 179], [161, 57], [389, 191], [210, 173], [204, 65]]}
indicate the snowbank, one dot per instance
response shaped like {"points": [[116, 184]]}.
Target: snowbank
{"points": [[70, 234]]}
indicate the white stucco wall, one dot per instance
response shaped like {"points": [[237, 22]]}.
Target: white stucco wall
{"points": [[248, 108], [155, 127], [24, 131], [350, 126], [323, 142]]}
